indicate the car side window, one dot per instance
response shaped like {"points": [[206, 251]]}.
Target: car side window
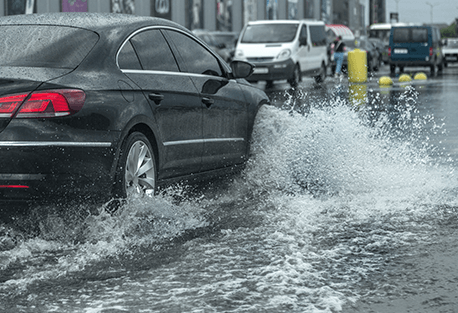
{"points": [[197, 59], [127, 58], [154, 51]]}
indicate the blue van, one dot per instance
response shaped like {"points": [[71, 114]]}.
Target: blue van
{"points": [[415, 46]]}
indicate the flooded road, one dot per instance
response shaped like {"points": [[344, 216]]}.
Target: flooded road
{"points": [[347, 204]]}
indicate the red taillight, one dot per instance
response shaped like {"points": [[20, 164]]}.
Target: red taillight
{"points": [[14, 186], [389, 51], [430, 51], [41, 104], [9, 104]]}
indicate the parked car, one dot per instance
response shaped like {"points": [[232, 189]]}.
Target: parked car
{"points": [[450, 51], [374, 58], [415, 46], [381, 49], [108, 105], [222, 43], [284, 50]]}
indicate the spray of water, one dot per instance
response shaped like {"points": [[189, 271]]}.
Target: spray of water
{"points": [[330, 193]]}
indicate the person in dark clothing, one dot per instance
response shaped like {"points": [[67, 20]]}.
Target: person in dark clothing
{"points": [[339, 46]]}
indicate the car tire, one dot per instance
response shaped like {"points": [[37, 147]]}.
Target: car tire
{"points": [[322, 75], [137, 172], [296, 78]]}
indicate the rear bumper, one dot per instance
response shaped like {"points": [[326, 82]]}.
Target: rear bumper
{"points": [[413, 61], [55, 171], [451, 57]]}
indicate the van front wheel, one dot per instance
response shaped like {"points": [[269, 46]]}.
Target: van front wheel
{"points": [[296, 78]]}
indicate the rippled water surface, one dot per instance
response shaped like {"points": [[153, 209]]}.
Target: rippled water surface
{"points": [[340, 209]]}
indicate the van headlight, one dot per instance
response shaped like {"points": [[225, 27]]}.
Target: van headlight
{"points": [[239, 54], [284, 54]]}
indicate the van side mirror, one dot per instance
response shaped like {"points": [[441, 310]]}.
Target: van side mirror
{"points": [[242, 69]]}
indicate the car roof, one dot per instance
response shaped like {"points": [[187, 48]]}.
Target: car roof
{"points": [[92, 21]]}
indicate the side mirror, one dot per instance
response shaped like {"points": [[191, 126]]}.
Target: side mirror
{"points": [[242, 69]]}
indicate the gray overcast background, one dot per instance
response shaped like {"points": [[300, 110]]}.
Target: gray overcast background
{"points": [[417, 11]]}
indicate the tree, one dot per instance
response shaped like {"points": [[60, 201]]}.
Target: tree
{"points": [[450, 31]]}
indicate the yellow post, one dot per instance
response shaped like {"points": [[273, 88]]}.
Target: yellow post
{"points": [[357, 66], [358, 94]]}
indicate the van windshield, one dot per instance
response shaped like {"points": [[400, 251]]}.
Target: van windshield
{"points": [[410, 35], [270, 33]]}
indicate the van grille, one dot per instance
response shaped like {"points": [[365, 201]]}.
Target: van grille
{"points": [[270, 59]]}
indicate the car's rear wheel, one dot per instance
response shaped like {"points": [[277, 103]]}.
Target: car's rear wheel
{"points": [[136, 173]]}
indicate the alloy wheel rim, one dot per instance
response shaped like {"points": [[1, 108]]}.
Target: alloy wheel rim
{"points": [[140, 171]]}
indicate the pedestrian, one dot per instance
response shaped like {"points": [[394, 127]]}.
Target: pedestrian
{"points": [[339, 46]]}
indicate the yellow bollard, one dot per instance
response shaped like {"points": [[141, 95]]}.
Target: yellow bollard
{"points": [[404, 78], [420, 76], [357, 66], [385, 81], [358, 94]]}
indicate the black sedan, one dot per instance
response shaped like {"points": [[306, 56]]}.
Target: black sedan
{"points": [[104, 105]]}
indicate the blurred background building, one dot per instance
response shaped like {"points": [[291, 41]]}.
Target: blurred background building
{"points": [[227, 15]]}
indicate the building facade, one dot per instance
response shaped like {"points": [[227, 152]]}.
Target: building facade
{"points": [[228, 15], [377, 11]]}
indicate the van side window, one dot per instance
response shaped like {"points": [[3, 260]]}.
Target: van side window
{"points": [[303, 34], [318, 35]]}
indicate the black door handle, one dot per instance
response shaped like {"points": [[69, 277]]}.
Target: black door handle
{"points": [[156, 97], [208, 101]]}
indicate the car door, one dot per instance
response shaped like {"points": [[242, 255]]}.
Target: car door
{"points": [[225, 116], [173, 98]]}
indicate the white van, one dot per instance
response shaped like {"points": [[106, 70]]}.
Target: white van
{"points": [[284, 49]]}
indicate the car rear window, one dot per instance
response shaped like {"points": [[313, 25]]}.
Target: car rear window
{"points": [[419, 35], [270, 33], [410, 35], [44, 46]]}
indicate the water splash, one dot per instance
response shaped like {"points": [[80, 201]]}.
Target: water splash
{"points": [[331, 195]]}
